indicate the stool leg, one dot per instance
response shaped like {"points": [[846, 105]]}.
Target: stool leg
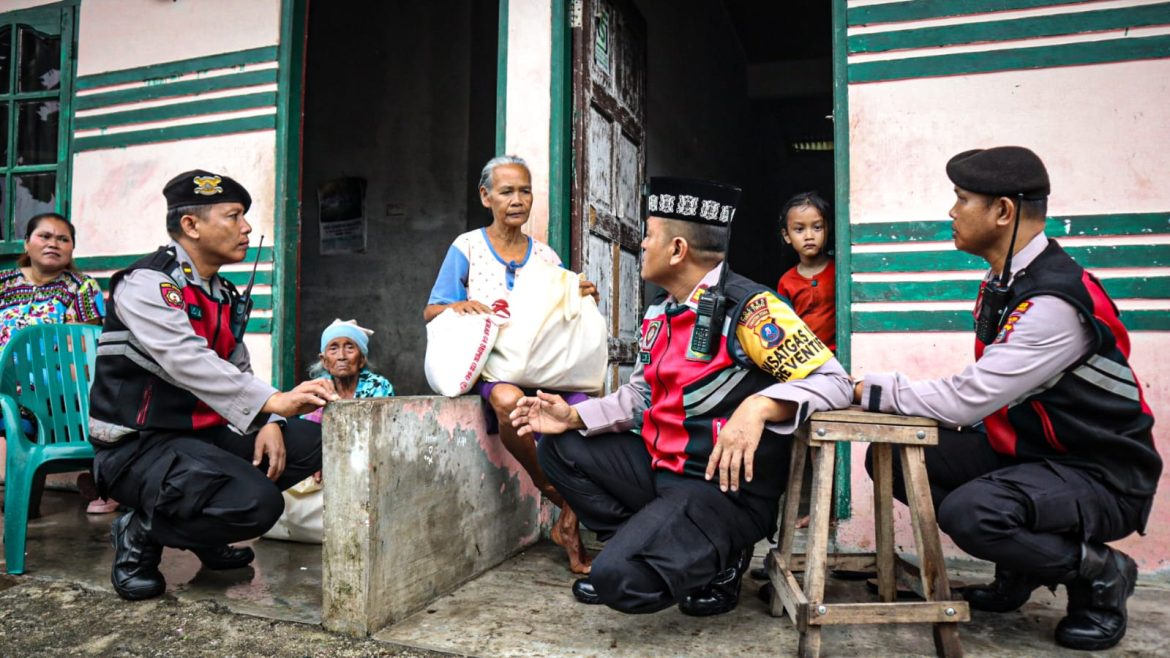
{"points": [[820, 509], [934, 573], [883, 514], [792, 500]]}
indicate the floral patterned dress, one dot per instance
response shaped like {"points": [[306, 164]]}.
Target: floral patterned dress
{"points": [[70, 298]]}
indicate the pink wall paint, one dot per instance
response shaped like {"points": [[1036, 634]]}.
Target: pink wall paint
{"points": [[1102, 130], [168, 31], [529, 105], [933, 355]]}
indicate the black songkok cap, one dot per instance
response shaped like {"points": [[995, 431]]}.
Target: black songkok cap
{"points": [[701, 201], [201, 188], [1000, 171]]}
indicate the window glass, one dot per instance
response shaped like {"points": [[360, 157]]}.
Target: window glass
{"points": [[3, 137], [36, 132], [32, 194], [39, 60], [5, 56]]}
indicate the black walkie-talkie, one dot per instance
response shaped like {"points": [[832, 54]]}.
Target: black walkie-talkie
{"points": [[242, 309], [993, 300], [709, 315]]}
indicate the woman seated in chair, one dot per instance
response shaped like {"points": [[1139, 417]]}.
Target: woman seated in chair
{"points": [[46, 288]]}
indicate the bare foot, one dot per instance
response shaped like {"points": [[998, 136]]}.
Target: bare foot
{"points": [[567, 535], [802, 522]]}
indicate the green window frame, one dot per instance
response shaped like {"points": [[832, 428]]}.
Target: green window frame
{"points": [[34, 171]]}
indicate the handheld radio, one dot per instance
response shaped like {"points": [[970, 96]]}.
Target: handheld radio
{"points": [[994, 299], [242, 309], [709, 323]]}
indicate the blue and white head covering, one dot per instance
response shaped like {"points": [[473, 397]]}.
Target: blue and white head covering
{"points": [[347, 329]]}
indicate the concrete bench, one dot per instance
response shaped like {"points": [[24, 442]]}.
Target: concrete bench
{"points": [[418, 500]]}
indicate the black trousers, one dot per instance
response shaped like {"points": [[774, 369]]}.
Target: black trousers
{"points": [[1029, 517], [200, 489], [666, 534]]}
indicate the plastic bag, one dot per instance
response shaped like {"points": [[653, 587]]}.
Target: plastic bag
{"points": [[304, 512], [556, 339], [457, 348]]}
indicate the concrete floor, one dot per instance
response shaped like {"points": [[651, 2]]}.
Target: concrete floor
{"points": [[524, 607]]}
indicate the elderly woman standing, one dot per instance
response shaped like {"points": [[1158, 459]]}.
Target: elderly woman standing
{"points": [[46, 288], [476, 277]]}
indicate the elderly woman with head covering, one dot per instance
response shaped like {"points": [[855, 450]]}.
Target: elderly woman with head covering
{"points": [[344, 358], [477, 277], [345, 349]]}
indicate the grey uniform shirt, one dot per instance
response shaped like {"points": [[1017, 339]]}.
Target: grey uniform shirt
{"points": [[827, 387], [1044, 341], [165, 333]]}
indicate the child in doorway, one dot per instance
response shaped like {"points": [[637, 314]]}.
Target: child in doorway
{"points": [[811, 284]]}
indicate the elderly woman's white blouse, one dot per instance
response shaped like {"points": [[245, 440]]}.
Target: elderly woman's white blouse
{"points": [[473, 270]]}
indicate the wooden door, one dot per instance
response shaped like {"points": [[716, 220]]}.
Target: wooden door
{"points": [[609, 89]]}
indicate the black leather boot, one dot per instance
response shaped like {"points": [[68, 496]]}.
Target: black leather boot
{"points": [[225, 557], [1096, 599], [136, 558], [583, 591], [721, 594], [1008, 592]]}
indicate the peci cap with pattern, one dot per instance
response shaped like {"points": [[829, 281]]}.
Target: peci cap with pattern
{"points": [[690, 200], [201, 188], [1000, 171]]}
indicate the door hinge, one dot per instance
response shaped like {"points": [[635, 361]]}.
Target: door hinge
{"points": [[575, 14]]}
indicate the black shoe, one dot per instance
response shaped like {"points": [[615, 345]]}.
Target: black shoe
{"points": [[583, 591], [225, 557], [721, 594], [761, 573], [1096, 599], [135, 575], [1009, 591]]}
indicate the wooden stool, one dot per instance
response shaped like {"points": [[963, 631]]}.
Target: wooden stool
{"points": [[807, 607]]}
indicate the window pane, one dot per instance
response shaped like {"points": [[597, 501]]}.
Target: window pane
{"points": [[40, 60], [5, 54], [3, 135], [3, 205], [36, 132], [32, 194]]}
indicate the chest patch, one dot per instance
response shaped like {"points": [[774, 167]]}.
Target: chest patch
{"points": [[171, 294], [651, 335], [194, 312]]}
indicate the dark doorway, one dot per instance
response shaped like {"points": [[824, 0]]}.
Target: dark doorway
{"points": [[400, 96], [742, 91]]}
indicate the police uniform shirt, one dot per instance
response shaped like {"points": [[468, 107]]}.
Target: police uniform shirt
{"points": [[825, 387], [163, 331], [1038, 343]]}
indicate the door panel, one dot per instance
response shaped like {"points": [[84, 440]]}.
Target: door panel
{"points": [[609, 73]]}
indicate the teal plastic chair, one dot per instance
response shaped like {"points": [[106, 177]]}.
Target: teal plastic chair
{"points": [[46, 369]]}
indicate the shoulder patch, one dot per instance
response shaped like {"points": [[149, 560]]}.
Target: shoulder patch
{"points": [[755, 312], [171, 294], [1010, 325]]}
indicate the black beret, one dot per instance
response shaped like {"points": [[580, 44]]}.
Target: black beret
{"points": [[701, 201], [201, 188], [1000, 171]]}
